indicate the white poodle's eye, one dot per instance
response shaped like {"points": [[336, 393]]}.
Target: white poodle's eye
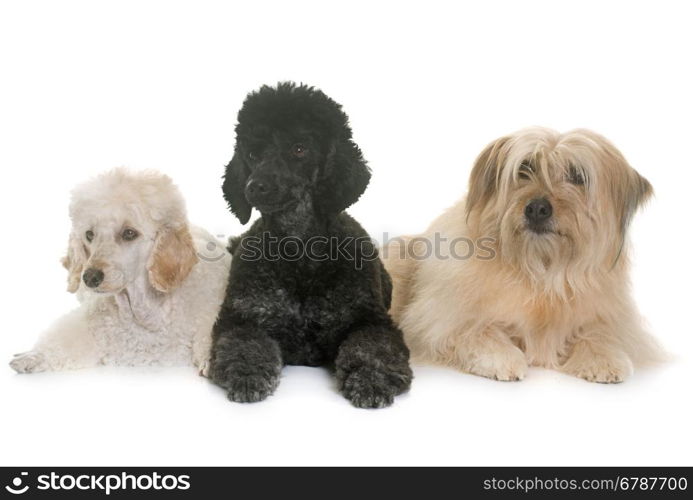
{"points": [[89, 235], [299, 150], [129, 234]]}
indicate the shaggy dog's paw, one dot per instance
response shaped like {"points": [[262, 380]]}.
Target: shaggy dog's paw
{"points": [[368, 387], [596, 363], [603, 370], [508, 364], [250, 388], [29, 362]]}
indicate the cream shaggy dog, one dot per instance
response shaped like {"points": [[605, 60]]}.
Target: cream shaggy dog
{"points": [[150, 286], [546, 281]]}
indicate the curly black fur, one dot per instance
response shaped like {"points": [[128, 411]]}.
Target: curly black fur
{"points": [[295, 162]]}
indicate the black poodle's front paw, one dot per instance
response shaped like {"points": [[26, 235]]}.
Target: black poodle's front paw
{"points": [[367, 387], [247, 368], [250, 388]]}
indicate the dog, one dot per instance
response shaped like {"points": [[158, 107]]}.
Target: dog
{"points": [[296, 163], [547, 285], [149, 285]]}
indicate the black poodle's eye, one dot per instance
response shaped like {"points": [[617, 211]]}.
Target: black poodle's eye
{"points": [[129, 234], [252, 156], [575, 176], [89, 235], [526, 170], [299, 150]]}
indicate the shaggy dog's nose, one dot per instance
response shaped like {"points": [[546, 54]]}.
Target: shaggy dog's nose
{"points": [[92, 277], [538, 211]]}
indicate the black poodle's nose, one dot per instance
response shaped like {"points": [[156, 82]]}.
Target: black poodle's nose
{"points": [[256, 187], [260, 192], [538, 211], [93, 277]]}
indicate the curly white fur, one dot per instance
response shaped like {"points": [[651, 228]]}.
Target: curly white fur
{"points": [[160, 293]]}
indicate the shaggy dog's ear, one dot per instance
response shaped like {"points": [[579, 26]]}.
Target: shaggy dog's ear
{"points": [[344, 177], [235, 179], [172, 258], [484, 177], [74, 262], [630, 195]]}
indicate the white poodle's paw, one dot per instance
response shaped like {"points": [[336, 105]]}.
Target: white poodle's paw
{"points": [[602, 369], [506, 363], [203, 367], [29, 362], [201, 361]]}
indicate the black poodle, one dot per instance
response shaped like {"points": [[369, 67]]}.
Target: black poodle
{"points": [[306, 285]]}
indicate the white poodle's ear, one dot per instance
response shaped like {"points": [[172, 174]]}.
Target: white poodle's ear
{"points": [[172, 259], [74, 262]]}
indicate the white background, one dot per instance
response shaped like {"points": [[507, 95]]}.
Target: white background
{"points": [[90, 85]]}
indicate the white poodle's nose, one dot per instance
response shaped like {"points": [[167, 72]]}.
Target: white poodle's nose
{"points": [[93, 277]]}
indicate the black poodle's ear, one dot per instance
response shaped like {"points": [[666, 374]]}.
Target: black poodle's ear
{"points": [[235, 179], [344, 178]]}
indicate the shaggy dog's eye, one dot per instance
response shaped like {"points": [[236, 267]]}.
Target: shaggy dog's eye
{"points": [[252, 156], [129, 234], [575, 176], [299, 150], [89, 235], [525, 171]]}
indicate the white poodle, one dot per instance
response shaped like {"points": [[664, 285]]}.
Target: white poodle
{"points": [[150, 285]]}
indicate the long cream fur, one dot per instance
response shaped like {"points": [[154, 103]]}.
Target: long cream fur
{"points": [[559, 299]]}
